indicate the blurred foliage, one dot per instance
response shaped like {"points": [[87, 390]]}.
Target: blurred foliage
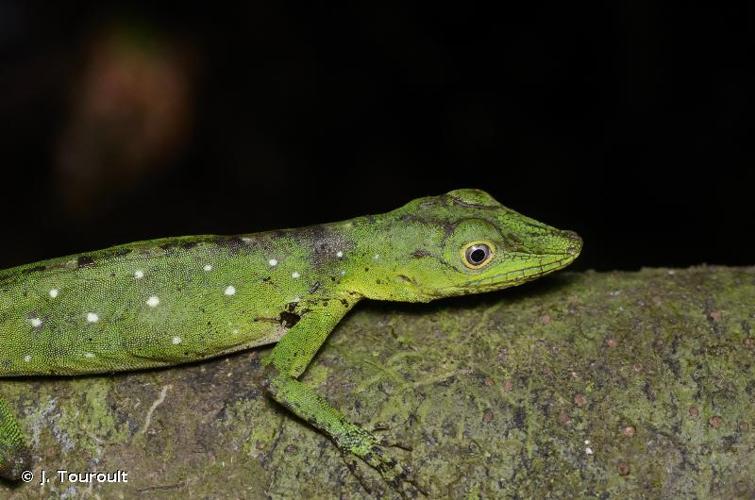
{"points": [[131, 117]]}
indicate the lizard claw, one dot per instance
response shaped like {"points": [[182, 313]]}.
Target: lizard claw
{"points": [[400, 477], [374, 452], [382, 426]]}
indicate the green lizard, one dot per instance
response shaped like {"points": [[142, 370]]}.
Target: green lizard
{"points": [[175, 300]]}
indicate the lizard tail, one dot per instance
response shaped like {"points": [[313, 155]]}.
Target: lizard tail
{"points": [[15, 456]]}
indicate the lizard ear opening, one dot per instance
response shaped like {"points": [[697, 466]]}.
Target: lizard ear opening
{"points": [[477, 254]]}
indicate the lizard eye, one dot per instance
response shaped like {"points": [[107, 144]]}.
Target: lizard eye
{"points": [[477, 255]]}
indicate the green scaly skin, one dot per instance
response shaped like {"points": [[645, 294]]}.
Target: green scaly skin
{"points": [[176, 300]]}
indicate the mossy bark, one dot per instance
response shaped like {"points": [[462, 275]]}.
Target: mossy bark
{"points": [[595, 384]]}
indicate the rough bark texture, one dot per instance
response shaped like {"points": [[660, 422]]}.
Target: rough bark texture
{"points": [[612, 385]]}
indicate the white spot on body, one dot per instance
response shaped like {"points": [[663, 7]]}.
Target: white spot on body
{"points": [[339, 254], [54, 293], [153, 301], [273, 262], [88, 355], [343, 273], [296, 300], [27, 358], [230, 290], [207, 268], [295, 274], [138, 274], [35, 322], [176, 340], [92, 317], [376, 256]]}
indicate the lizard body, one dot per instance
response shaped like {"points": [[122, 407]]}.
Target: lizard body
{"points": [[176, 300]]}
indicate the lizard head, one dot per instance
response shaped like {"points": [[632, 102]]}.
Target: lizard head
{"points": [[460, 243]]}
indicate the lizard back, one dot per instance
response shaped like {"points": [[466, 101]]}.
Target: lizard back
{"points": [[157, 303]]}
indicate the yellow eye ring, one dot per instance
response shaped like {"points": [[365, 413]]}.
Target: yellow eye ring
{"points": [[477, 254]]}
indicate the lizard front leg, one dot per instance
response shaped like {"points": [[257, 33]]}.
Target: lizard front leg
{"points": [[14, 454], [288, 361]]}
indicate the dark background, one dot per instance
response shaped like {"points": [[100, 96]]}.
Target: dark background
{"points": [[625, 121]]}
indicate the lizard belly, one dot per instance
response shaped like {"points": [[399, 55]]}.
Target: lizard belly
{"points": [[118, 344]]}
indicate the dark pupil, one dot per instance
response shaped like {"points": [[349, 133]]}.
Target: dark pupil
{"points": [[477, 255]]}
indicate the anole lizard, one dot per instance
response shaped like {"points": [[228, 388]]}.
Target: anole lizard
{"points": [[175, 300]]}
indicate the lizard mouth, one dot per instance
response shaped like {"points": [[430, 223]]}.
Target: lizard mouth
{"points": [[546, 264]]}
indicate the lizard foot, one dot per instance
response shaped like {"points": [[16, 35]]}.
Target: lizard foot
{"points": [[397, 477], [400, 477], [374, 453]]}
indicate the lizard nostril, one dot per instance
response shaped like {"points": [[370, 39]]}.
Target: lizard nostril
{"points": [[575, 242]]}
